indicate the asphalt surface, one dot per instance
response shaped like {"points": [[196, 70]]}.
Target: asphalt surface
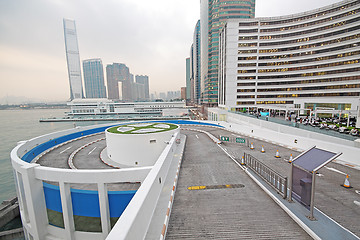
{"points": [[219, 212], [227, 212], [339, 203]]}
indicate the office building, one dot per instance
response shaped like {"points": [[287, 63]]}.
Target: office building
{"points": [[196, 65], [73, 59], [143, 79], [188, 80], [213, 14], [118, 82], [306, 60], [94, 78]]}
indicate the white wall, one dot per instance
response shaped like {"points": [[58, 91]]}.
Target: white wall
{"points": [[287, 135], [137, 150]]}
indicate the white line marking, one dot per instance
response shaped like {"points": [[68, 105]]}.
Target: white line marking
{"points": [[92, 150], [357, 203], [197, 136], [65, 150], [335, 170]]}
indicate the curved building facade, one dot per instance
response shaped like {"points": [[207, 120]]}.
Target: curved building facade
{"points": [[305, 60]]}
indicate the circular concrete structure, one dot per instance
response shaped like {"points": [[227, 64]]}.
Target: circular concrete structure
{"points": [[138, 144]]}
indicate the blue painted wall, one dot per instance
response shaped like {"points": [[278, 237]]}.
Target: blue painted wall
{"points": [[86, 202]]}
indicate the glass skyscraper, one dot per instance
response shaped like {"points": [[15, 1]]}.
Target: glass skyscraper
{"points": [[94, 78], [73, 59], [213, 15]]}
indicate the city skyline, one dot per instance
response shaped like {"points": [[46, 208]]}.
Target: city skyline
{"points": [[33, 61]]}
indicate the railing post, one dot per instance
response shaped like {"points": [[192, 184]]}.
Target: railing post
{"points": [[285, 187]]}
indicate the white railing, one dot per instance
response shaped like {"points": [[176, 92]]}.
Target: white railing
{"points": [[135, 220], [29, 178]]}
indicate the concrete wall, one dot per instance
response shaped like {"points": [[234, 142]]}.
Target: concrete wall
{"points": [[287, 135], [137, 150]]}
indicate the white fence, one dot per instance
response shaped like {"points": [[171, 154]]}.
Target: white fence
{"points": [[29, 178]]}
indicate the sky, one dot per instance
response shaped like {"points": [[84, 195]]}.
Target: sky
{"points": [[152, 37]]}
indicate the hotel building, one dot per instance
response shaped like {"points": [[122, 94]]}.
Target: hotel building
{"points": [[305, 60]]}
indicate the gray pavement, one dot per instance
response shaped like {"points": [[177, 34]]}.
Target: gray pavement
{"points": [[331, 198], [223, 213]]}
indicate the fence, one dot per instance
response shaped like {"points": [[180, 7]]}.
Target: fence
{"points": [[274, 179]]}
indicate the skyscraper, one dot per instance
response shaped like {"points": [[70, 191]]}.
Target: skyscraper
{"points": [[196, 65], [213, 14], [188, 80], [73, 59], [118, 74], [94, 78], [143, 79]]}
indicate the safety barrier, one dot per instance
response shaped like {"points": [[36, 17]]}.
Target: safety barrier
{"points": [[274, 179]]}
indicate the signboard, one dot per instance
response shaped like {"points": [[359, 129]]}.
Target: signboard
{"points": [[225, 139], [240, 140]]}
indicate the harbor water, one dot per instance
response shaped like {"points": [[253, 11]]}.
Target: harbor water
{"points": [[19, 125]]}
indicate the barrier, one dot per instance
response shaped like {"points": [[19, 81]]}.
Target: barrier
{"points": [[274, 179]]}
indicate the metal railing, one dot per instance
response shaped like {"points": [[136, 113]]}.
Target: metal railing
{"points": [[274, 179]]}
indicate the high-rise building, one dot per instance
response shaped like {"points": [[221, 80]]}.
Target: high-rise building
{"points": [[196, 65], [94, 78], [73, 59], [188, 79], [213, 14], [143, 79], [118, 82], [305, 61]]}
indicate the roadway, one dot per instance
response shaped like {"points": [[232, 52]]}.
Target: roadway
{"points": [[244, 211], [341, 204], [227, 212]]}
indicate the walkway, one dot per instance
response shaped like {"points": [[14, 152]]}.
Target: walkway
{"points": [[223, 213]]}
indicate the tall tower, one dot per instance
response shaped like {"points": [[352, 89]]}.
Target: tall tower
{"points": [[94, 78], [73, 59], [196, 65], [118, 82], [213, 16], [144, 79]]}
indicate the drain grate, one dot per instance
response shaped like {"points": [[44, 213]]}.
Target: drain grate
{"points": [[216, 187]]}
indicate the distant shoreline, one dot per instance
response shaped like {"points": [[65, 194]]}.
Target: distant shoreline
{"points": [[33, 106]]}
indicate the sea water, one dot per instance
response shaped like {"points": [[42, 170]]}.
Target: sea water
{"points": [[19, 125]]}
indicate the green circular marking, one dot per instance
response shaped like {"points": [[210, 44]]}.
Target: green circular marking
{"points": [[142, 128]]}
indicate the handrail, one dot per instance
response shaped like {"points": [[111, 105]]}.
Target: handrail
{"points": [[274, 179]]}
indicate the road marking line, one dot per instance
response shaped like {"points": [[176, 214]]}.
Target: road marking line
{"points": [[65, 150], [91, 151], [357, 203], [335, 170], [197, 136]]}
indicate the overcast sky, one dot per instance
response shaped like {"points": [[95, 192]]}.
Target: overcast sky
{"points": [[152, 37]]}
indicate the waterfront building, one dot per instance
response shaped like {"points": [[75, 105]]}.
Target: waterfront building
{"points": [[138, 91], [144, 79], [118, 82], [94, 78], [107, 107], [73, 59], [306, 60], [183, 93], [213, 15]]}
